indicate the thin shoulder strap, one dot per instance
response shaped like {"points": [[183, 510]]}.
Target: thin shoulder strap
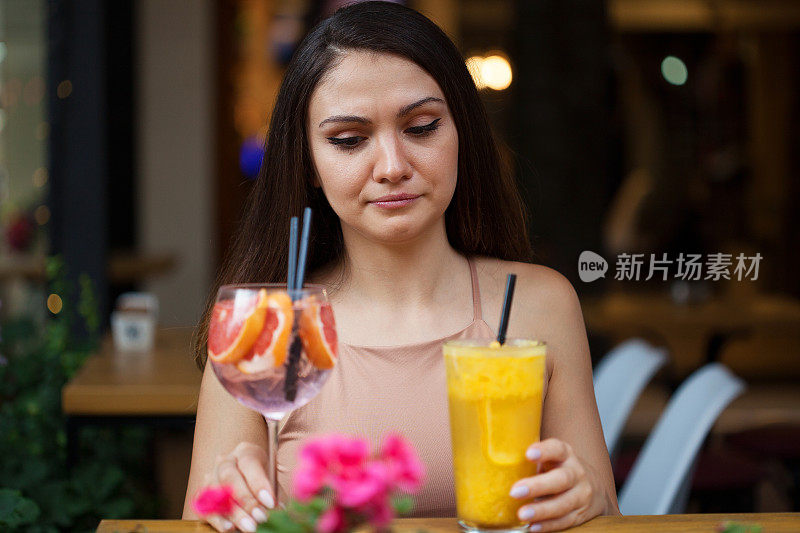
{"points": [[476, 291]]}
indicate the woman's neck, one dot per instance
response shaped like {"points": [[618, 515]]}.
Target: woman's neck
{"points": [[402, 274]]}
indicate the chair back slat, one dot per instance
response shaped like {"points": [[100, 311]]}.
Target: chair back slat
{"points": [[663, 466]]}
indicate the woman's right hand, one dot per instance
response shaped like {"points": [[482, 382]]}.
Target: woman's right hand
{"points": [[245, 471]]}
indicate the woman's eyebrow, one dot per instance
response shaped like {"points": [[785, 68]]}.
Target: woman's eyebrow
{"points": [[405, 110], [345, 118]]}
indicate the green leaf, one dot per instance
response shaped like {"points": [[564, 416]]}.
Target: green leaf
{"points": [[16, 510], [264, 527], [281, 521], [50, 496], [54, 266], [738, 527], [87, 305], [32, 472], [402, 504], [318, 505]]}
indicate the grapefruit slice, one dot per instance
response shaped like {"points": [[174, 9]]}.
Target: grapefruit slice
{"points": [[232, 332], [318, 334], [269, 349]]}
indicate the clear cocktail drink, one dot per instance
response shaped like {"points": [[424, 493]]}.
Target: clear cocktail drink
{"points": [[257, 377], [495, 400]]}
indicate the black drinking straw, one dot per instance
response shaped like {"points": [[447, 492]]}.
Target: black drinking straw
{"points": [[293, 234], [501, 333], [290, 383]]}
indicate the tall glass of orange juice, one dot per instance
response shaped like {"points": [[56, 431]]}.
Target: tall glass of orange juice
{"points": [[495, 400]]}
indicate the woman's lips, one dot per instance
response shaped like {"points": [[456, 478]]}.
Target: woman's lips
{"points": [[394, 201]]}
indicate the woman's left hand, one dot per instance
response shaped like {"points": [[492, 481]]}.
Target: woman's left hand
{"points": [[563, 493]]}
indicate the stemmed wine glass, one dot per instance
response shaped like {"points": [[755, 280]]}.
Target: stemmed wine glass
{"points": [[272, 349], [272, 346]]}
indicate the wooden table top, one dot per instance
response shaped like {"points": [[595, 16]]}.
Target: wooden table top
{"points": [[162, 382], [686, 329], [123, 267], [771, 523], [656, 309]]}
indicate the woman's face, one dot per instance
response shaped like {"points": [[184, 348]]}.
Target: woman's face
{"points": [[384, 146]]}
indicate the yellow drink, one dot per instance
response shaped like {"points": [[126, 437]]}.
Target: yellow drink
{"points": [[495, 397]]}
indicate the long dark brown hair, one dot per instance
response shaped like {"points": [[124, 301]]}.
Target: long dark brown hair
{"points": [[486, 215]]}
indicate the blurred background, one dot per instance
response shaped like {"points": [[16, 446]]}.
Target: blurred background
{"points": [[131, 132]]}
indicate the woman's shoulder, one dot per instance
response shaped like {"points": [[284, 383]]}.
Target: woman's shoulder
{"points": [[540, 292], [532, 279]]}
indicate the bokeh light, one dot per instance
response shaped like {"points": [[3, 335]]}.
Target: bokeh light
{"points": [[34, 91], [54, 303], [251, 154], [40, 176], [42, 215], [474, 67], [496, 72], [674, 70], [64, 89]]}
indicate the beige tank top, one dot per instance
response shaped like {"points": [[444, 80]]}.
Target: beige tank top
{"points": [[377, 389]]}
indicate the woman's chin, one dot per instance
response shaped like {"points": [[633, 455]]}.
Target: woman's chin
{"points": [[398, 228], [394, 232]]}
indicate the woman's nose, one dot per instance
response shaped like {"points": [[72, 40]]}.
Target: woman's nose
{"points": [[391, 162]]}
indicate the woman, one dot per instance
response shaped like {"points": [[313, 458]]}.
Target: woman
{"points": [[379, 127]]}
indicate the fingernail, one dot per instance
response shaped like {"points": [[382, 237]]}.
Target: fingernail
{"points": [[526, 513], [266, 498], [535, 527], [247, 524], [533, 453], [227, 525], [259, 515], [518, 491]]}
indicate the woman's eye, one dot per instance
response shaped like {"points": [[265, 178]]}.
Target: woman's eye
{"points": [[345, 143], [424, 130], [349, 144]]}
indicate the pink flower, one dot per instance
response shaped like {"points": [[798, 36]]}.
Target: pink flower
{"points": [[361, 484], [333, 450], [359, 487], [381, 513], [308, 482], [331, 521], [324, 461], [406, 471], [214, 500]]}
